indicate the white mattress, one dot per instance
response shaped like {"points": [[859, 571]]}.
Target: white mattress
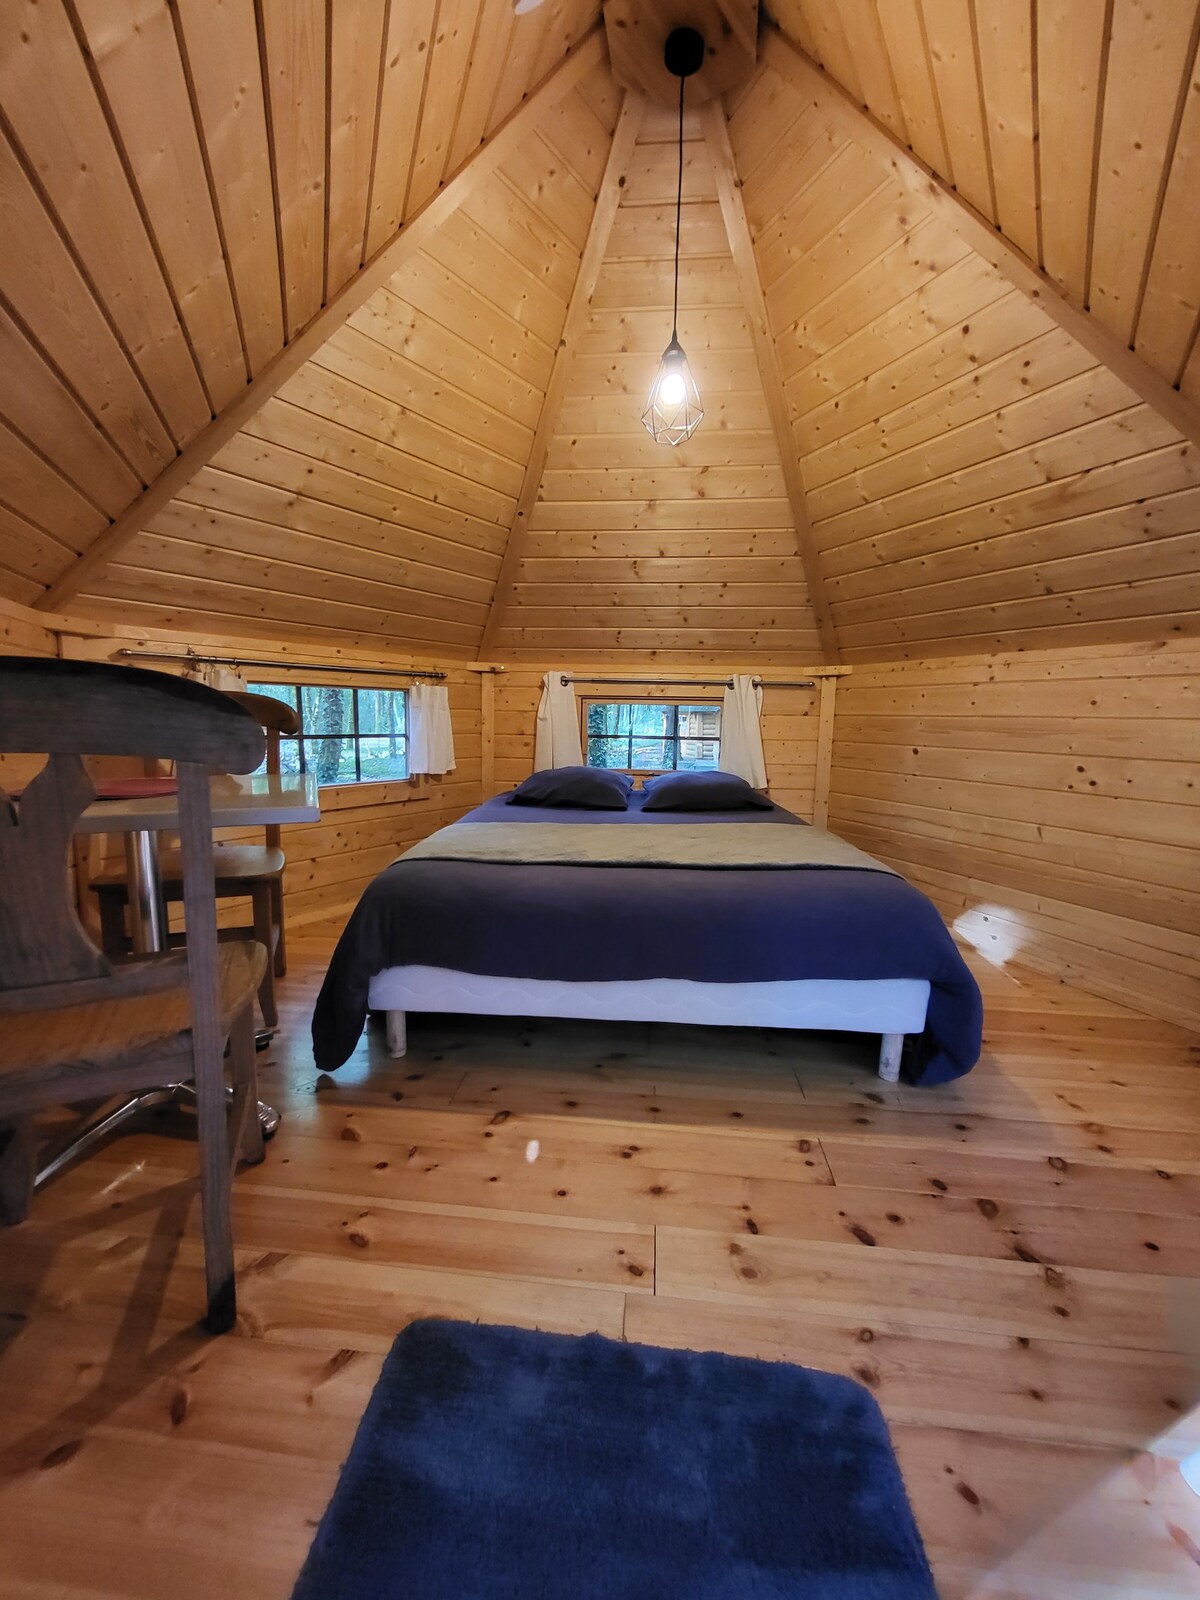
{"points": [[880, 1005]]}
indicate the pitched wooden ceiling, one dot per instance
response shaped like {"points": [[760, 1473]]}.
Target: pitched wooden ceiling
{"points": [[951, 401]]}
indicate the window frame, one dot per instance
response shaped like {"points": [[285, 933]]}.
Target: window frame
{"points": [[672, 739], [355, 735]]}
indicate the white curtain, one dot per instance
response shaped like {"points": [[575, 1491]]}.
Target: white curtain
{"points": [[218, 675], [430, 735], [741, 731], [556, 738]]}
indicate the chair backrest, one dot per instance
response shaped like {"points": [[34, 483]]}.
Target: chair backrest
{"points": [[69, 709], [276, 719]]}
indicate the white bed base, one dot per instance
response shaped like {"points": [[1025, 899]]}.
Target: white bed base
{"points": [[890, 1007]]}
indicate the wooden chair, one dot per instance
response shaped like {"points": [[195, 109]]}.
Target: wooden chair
{"points": [[243, 871], [74, 1027]]}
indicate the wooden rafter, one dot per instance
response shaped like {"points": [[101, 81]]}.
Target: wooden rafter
{"points": [[741, 245], [413, 236], [590, 262], [948, 205]]}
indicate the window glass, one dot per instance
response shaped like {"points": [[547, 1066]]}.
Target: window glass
{"points": [[652, 735], [327, 710], [346, 735]]}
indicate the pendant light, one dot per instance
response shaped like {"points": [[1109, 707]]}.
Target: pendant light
{"points": [[673, 410]]}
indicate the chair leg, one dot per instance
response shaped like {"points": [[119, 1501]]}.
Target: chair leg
{"points": [[277, 918], [216, 1223], [244, 1064], [261, 900], [17, 1171]]}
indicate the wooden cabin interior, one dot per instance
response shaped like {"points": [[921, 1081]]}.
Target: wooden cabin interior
{"points": [[326, 332]]}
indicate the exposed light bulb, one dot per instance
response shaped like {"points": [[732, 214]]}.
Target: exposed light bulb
{"points": [[673, 409]]}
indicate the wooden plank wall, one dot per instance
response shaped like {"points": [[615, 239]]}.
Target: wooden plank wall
{"points": [[975, 480], [1047, 802], [636, 550], [790, 721], [372, 497]]}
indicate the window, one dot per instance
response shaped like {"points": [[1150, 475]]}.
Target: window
{"points": [[652, 736], [346, 735]]}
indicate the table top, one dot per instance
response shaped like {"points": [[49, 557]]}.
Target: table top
{"points": [[236, 803]]}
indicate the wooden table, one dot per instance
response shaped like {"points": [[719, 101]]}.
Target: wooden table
{"points": [[237, 802]]}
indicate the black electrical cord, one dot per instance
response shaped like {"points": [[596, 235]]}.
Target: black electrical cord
{"points": [[678, 210]]}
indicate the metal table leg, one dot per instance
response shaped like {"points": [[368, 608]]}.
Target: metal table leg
{"points": [[149, 926], [146, 911]]}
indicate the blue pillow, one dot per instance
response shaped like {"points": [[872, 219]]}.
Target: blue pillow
{"points": [[589, 788], [702, 791]]}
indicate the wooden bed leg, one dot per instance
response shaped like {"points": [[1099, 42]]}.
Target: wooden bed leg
{"points": [[890, 1046], [397, 1034]]}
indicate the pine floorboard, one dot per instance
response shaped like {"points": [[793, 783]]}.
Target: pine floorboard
{"points": [[1011, 1264]]}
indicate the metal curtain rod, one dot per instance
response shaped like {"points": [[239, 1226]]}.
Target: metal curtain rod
{"points": [[698, 683], [192, 659]]}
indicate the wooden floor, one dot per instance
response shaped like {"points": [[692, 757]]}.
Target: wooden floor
{"points": [[1011, 1264]]}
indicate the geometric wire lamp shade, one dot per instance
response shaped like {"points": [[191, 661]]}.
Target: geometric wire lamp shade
{"points": [[673, 410]]}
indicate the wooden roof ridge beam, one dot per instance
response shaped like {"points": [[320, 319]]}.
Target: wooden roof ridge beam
{"points": [[741, 245], [608, 198], [414, 234], [948, 205]]}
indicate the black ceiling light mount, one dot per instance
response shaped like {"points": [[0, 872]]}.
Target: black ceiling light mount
{"points": [[673, 410], [683, 53]]}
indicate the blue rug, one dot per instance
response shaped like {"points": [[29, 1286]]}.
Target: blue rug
{"points": [[499, 1464]]}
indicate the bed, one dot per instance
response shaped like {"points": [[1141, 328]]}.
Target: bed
{"points": [[565, 913]]}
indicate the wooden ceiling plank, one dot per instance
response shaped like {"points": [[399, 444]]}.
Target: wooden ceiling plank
{"points": [[56, 116], [36, 490], [827, 355], [220, 38], [484, 70], [919, 378], [1166, 328], [590, 262], [903, 28], [33, 398], [864, 37], [1144, 90], [137, 59], [453, 43], [1116, 527], [356, 41], [986, 389], [950, 32], [469, 570], [1072, 45], [1095, 486], [406, 56], [70, 327], [1005, 34], [824, 24], [293, 47], [415, 233], [741, 246], [956, 211]]}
